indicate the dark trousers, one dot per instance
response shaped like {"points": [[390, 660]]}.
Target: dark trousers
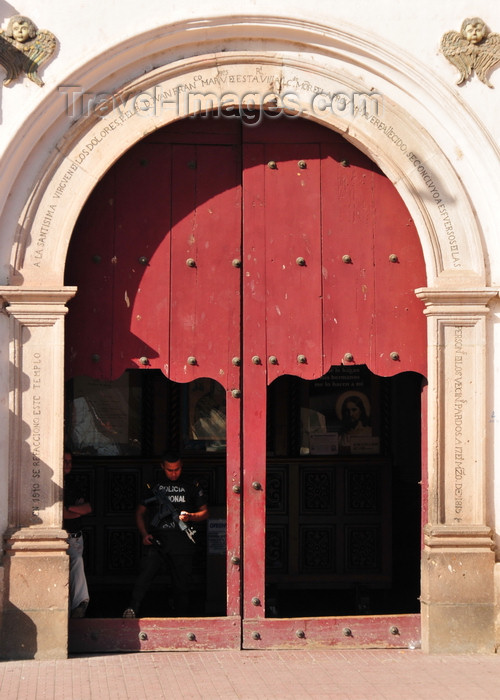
{"points": [[176, 551]]}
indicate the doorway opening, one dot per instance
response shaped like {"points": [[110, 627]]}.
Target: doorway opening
{"points": [[343, 494], [117, 431], [263, 271], [343, 499]]}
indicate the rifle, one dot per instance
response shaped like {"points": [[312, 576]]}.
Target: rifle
{"points": [[162, 498]]}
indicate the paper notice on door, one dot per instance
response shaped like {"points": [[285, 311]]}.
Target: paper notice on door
{"points": [[324, 444]]}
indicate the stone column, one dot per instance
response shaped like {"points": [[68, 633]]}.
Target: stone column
{"points": [[35, 616], [457, 597]]}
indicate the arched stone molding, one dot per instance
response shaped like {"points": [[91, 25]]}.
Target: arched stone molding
{"points": [[347, 57], [421, 172], [312, 65]]}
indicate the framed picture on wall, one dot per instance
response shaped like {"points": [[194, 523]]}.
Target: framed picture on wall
{"points": [[205, 416], [342, 414], [103, 417]]}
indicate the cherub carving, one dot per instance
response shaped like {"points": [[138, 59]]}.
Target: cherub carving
{"points": [[24, 48], [470, 49]]}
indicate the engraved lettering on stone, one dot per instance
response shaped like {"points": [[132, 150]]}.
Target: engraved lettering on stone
{"points": [[36, 433], [43, 233], [389, 132], [441, 206], [459, 402], [429, 181]]}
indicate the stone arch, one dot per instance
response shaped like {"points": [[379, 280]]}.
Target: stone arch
{"points": [[331, 79], [385, 131]]}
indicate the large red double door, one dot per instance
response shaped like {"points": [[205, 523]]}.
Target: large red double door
{"points": [[244, 254]]}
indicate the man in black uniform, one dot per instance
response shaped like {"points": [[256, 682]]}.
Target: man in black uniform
{"points": [[164, 540]]}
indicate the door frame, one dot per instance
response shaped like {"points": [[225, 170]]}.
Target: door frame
{"points": [[271, 278]]}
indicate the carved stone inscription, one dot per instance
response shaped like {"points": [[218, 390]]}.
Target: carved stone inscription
{"points": [[458, 422], [460, 418], [37, 481], [118, 119], [36, 434], [430, 181]]}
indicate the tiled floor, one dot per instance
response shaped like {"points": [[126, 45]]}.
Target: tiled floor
{"points": [[352, 675]]}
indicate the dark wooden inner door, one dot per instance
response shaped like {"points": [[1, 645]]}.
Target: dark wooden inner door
{"points": [[234, 284]]}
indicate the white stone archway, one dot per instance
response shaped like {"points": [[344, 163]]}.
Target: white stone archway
{"points": [[331, 88], [236, 81]]}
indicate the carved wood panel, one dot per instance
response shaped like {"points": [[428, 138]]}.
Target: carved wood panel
{"points": [[338, 518]]}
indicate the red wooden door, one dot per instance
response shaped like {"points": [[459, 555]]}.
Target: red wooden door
{"points": [[243, 255], [282, 311], [331, 259], [164, 233]]}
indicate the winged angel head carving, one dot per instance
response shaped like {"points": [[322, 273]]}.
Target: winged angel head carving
{"points": [[24, 48], [472, 48]]}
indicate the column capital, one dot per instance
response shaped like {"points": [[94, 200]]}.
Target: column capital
{"points": [[20, 298], [456, 301]]}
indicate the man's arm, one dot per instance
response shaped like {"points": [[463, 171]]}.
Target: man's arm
{"points": [[79, 509], [76, 510], [201, 514], [69, 514]]}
